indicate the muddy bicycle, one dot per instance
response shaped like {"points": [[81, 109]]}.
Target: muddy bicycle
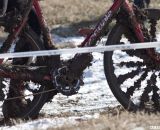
{"points": [[132, 75]]}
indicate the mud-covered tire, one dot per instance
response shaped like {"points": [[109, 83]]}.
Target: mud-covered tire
{"points": [[32, 108], [127, 71]]}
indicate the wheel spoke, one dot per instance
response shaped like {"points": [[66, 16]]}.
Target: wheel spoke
{"points": [[131, 74], [145, 95], [159, 74], [137, 84], [138, 53], [131, 64], [156, 97]]}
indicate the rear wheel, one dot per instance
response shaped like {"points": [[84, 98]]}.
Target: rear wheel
{"points": [[133, 76], [26, 107]]}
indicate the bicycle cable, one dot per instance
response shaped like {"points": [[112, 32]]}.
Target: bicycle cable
{"points": [[38, 93]]}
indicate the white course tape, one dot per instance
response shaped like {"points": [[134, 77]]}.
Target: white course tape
{"points": [[81, 50]]}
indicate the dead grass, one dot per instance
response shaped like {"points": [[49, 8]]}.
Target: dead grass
{"points": [[155, 4], [112, 119], [73, 11], [123, 121], [65, 17]]}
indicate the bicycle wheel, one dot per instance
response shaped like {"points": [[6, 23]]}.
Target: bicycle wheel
{"points": [[26, 107], [133, 76]]}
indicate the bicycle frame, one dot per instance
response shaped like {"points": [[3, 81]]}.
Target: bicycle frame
{"points": [[104, 22], [90, 40]]}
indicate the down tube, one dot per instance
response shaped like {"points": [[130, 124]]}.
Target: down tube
{"points": [[91, 40]]}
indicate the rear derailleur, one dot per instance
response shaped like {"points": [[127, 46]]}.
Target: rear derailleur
{"points": [[68, 78]]}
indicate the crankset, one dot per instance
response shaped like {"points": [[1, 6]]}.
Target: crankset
{"points": [[68, 78], [65, 82]]}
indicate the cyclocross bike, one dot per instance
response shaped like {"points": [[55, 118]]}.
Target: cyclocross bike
{"points": [[132, 74]]}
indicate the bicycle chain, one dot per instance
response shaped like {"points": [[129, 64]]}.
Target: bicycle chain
{"points": [[38, 93]]}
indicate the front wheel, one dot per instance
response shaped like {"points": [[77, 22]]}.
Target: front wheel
{"points": [[133, 76]]}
